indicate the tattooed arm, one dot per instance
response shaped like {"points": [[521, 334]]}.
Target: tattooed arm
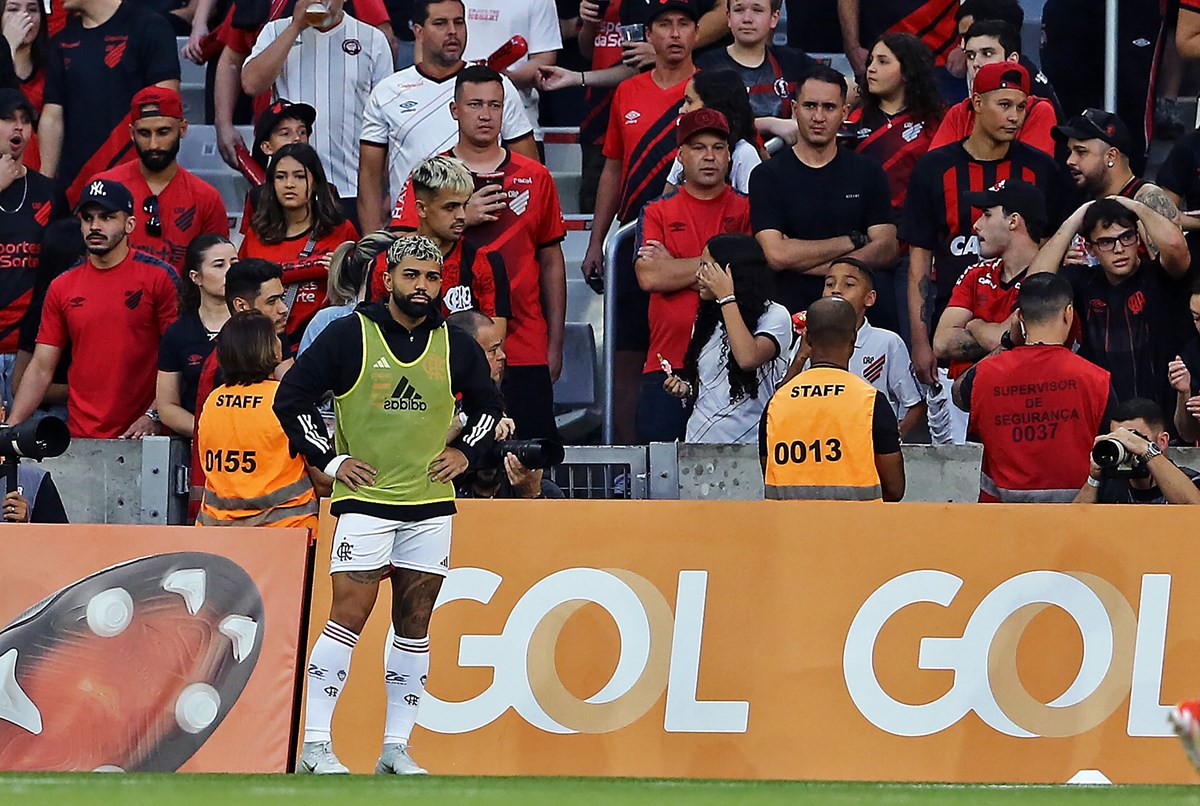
{"points": [[952, 341], [1157, 200], [920, 303], [1164, 234]]}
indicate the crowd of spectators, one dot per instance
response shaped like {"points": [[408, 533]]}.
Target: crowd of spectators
{"points": [[924, 187]]}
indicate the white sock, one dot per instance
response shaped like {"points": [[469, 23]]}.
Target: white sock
{"points": [[328, 668], [407, 669]]}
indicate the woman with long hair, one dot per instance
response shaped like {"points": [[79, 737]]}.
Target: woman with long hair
{"points": [[297, 223], [190, 339], [251, 476], [739, 347], [724, 91], [900, 113], [24, 25], [349, 267]]}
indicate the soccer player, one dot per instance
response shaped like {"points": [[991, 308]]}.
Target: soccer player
{"points": [[937, 223], [28, 204], [514, 212], [393, 494], [333, 67], [104, 55], [408, 115], [173, 204], [111, 312]]}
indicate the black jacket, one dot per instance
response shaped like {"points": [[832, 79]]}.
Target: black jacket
{"points": [[332, 364]]}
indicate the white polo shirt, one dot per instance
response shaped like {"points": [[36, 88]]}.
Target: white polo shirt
{"points": [[881, 359], [491, 23], [333, 71], [409, 114]]}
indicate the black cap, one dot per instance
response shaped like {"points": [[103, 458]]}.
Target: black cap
{"points": [[658, 7], [1016, 197], [1096, 124], [277, 111], [111, 196], [11, 100]]}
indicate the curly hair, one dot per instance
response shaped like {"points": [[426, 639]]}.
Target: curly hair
{"points": [[752, 284], [269, 222], [415, 246], [724, 91], [921, 96]]}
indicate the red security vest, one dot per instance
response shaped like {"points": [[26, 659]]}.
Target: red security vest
{"points": [[1037, 410]]}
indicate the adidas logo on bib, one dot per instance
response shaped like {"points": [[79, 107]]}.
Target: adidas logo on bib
{"points": [[382, 363], [405, 398]]}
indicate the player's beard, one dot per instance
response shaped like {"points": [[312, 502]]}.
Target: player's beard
{"points": [[411, 308], [156, 161]]}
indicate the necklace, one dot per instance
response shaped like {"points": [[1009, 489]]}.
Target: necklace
{"points": [[24, 193]]}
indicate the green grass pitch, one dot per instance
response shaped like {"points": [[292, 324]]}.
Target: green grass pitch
{"points": [[227, 790]]}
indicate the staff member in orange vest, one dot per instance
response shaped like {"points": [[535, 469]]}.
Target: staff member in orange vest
{"points": [[1037, 408], [828, 434], [251, 477]]}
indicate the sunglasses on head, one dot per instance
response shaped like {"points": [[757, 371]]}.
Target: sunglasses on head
{"points": [[153, 221]]}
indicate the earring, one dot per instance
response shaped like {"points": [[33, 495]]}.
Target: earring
{"points": [[1111, 164]]}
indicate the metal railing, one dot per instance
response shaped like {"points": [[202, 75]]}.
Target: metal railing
{"points": [[611, 247]]}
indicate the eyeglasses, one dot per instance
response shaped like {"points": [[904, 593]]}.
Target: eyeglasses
{"points": [[153, 222], [1127, 238]]}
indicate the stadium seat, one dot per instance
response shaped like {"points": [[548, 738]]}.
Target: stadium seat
{"points": [[576, 402]]}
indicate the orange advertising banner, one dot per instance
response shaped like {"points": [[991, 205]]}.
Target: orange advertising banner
{"points": [[149, 648], [909, 642]]}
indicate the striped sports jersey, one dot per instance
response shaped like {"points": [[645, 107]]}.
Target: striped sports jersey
{"points": [[936, 218], [896, 142], [334, 71], [931, 21], [641, 136]]}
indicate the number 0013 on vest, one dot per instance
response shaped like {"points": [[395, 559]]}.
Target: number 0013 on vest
{"points": [[820, 443]]}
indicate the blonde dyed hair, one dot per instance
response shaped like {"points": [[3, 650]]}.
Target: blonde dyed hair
{"points": [[417, 247], [439, 173]]}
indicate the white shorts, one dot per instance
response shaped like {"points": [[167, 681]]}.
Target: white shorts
{"points": [[366, 543]]}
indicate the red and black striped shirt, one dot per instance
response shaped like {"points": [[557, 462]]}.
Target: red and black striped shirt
{"points": [[641, 136], [936, 218], [931, 21], [896, 142]]}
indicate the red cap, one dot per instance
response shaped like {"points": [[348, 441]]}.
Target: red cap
{"points": [[703, 119], [155, 102], [1001, 76]]}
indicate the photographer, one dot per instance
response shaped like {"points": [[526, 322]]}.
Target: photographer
{"points": [[35, 499], [1139, 426]]}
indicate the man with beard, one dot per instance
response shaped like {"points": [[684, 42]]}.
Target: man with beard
{"points": [[394, 368], [111, 310], [173, 205], [28, 204], [1098, 148], [408, 114]]}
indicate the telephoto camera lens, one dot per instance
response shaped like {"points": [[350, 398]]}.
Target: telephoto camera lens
{"points": [[1108, 453]]}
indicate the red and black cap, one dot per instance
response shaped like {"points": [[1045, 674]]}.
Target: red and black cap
{"points": [[1096, 124], [1001, 76], [701, 120], [659, 7]]}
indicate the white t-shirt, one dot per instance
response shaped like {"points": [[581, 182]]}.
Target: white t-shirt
{"points": [[409, 114], [491, 23], [333, 71], [745, 159], [716, 420], [881, 359]]}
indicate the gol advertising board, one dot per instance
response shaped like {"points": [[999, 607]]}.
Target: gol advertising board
{"points": [[149, 648], [799, 640]]}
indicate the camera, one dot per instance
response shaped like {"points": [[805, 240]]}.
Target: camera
{"points": [[1116, 462], [34, 439], [535, 454]]}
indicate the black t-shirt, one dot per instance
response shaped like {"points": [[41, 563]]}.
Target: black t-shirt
{"points": [[771, 84], [1119, 491], [183, 348], [62, 249], [936, 218], [813, 26], [1180, 171], [93, 73], [885, 429], [849, 194], [1132, 329], [27, 207]]}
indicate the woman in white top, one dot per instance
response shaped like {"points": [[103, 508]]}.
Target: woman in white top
{"points": [[739, 347], [724, 91]]}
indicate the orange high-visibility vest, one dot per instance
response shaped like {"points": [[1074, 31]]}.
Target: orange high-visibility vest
{"points": [[251, 477], [820, 443]]}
